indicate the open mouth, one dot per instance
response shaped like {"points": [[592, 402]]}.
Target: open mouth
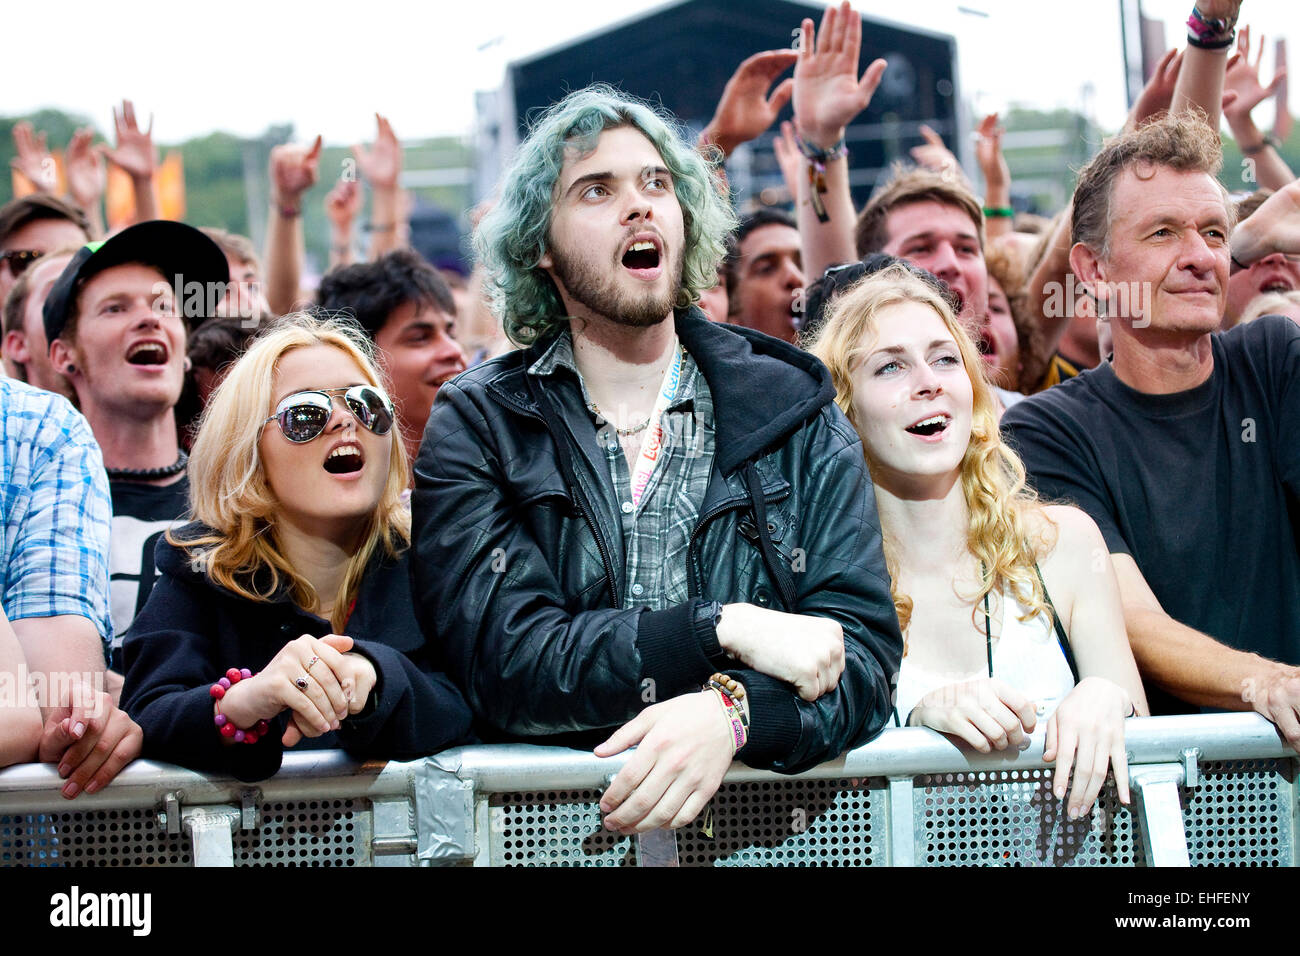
{"points": [[929, 427], [147, 353], [344, 460], [1276, 285], [641, 256]]}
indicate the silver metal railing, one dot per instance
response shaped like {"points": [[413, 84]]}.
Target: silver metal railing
{"points": [[1207, 789]]}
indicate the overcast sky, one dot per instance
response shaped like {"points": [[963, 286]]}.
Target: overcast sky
{"points": [[326, 67]]}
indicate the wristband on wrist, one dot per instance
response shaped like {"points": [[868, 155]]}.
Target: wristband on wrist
{"points": [[999, 212], [817, 160], [734, 715], [1259, 147], [222, 722], [288, 212], [374, 227], [1210, 33]]}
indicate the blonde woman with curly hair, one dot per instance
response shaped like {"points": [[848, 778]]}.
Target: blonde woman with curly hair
{"points": [[284, 610], [972, 556]]}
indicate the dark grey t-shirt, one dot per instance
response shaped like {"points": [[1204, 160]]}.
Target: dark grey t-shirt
{"points": [[1200, 487]]}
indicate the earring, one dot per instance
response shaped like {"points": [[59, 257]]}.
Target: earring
{"points": [[188, 364], [70, 368]]}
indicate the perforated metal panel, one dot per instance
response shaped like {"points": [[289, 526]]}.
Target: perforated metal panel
{"points": [[1011, 818], [308, 833], [1240, 815], [779, 823], [92, 838], [553, 828]]}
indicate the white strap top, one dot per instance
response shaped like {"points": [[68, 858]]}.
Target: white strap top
{"points": [[1027, 656]]}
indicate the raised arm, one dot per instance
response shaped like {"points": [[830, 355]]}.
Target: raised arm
{"points": [[827, 96], [1274, 227], [1200, 80], [746, 108], [381, 165], [32, 158], [342, 205], [293, 170], [135, 155], [997, 177], [1242, 78], [86, 180]]}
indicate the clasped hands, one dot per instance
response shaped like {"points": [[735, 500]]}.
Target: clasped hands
{"points": [[321, 680], [684, 745]]}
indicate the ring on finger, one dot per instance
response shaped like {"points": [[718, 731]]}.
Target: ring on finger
{"points": [[301, 682], [313, 662]]}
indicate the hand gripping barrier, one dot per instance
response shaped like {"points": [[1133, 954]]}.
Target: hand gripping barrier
{"points": [[1213, 789]]}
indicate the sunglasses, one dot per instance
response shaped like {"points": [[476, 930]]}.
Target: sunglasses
{"points": [[19, 260], [303, 415]]}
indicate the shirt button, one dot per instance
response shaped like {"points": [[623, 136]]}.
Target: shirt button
{"points": [[637, 589], [627, 507]]}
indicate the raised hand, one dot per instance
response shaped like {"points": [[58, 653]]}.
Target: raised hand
{"points": [[800, 649], [1242, 78], [33, 159], [134, 153], [988, 153], [788, 158], [343, 204], [294, 170], [1282, 120], [746, 108], [1158, 94], [986, 713], [1087, 732], [933, 154], [683, 749], [827, 91], [382, 163], [84, 169]]}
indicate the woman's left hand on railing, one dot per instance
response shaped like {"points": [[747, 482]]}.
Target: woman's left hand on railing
{"points": [[1087, 732]]}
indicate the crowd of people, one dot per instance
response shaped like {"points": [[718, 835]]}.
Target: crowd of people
{"points": [[661, 475]]}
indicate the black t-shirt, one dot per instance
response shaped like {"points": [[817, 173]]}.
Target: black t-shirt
{"points": [[1199, 487], [141, 513]]}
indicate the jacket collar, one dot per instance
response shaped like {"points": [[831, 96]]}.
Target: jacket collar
{"points": [[763, 389]]}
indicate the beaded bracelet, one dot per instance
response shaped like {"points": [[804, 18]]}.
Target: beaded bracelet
{"points": [[227, 729], [733, 689]]}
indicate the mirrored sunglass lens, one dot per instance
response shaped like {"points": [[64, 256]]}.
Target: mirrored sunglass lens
{"points": [[371, 409], [303, 421]]}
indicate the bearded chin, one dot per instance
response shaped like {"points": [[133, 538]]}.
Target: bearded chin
{"points": [[587, 285]]}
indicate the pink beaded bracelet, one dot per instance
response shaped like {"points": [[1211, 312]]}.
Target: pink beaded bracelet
{"points": [[227, 729]]}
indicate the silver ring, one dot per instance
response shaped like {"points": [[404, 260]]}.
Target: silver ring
{"points": [[301, 683], [314, 660]]}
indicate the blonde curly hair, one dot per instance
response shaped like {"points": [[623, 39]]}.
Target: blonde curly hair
{"points": [[1003, 511]]}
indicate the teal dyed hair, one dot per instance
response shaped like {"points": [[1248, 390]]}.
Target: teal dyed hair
{"points": [[512, 238]]}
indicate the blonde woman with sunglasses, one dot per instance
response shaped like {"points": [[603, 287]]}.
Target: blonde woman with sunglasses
{"points": [[283, 612]]}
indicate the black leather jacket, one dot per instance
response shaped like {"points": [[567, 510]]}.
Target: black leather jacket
{"points": [[518, 566]]}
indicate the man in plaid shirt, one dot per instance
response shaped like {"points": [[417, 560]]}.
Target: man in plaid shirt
{"points": [[54, 582]]}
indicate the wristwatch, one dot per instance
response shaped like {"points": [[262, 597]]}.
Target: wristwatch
{"points": [[704, 624]]}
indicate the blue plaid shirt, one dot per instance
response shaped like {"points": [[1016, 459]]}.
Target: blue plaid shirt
{"points": [[55, 508]]}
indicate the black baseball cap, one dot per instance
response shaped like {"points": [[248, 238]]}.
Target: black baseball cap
{"points": [[180, 252]]}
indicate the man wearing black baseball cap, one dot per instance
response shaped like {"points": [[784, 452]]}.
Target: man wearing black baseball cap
{"points": [[115, 320]]}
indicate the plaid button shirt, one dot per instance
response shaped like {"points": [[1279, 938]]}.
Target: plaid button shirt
{"points": [[655, 534], [55, 509]]}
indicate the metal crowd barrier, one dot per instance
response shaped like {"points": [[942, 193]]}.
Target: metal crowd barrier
{"points": [[1213, 789]]}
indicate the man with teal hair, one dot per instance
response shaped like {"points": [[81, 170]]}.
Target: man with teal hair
{"points": [[643, 528]]}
